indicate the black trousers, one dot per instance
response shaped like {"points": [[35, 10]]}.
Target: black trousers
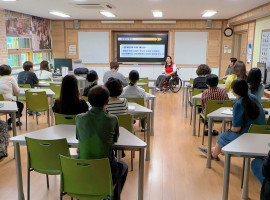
{"points": [[19, 112]]}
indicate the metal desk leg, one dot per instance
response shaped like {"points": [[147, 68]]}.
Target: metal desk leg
{"points": [[208, 162], [223, 126], [194, 118], [186, 102], [18, 171], [141, 174], [183, 96], [148, 137], [246, 178], [152, 116], [51, 111], [226, 177], [13, 118]]}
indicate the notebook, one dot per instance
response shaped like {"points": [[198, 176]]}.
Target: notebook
{"points": [[227, 112]]}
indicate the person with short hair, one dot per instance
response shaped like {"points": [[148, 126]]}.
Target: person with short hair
{"points": [[230, 67], [28, 76], [239, 72], [114, 67], [202, 71], [254, 80], [9, 88], [247, 110], [69, 102], [92, 78], [96, 131], [44, 72], [116, 105]]}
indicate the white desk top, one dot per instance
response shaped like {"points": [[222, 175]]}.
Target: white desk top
{"points": [[138, 109], [126, 139], [46, 83], [249, 144], [9, 106], [79, 78], [49, 92]]}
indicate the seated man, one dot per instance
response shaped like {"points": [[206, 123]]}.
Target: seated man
{"points": [[96, 131], [28, 76], [114, 66]]}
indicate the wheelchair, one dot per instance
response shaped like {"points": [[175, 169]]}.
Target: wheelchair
{"points": [[173, 83]]}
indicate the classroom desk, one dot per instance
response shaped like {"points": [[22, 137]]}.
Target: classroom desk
{"points": [[247, 145], [152, 107], [49, 93], [140, 110], [10, 107], [81, 80], [46, 83], [199, 97], [126, 141], [217, 115]]}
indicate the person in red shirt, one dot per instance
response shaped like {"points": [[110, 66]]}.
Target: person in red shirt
{"points": [[170, 68]]}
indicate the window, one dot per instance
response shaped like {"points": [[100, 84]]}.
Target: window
{"points": [[14, 60], [19, 43], [39, 56]]}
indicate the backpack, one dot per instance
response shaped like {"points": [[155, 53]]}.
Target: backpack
{"points": [[4, 139], [81, 70]]}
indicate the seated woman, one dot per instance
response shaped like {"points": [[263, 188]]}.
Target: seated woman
{"points": [[8, 88], [202, 71], [69, 102], [116, 105], [170, 68], [44, 72], [92, 78], [247, 110], [239, 72], [254, 83]]}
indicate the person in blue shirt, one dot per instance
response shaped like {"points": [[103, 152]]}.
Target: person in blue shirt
{"points": [[247, 110]]}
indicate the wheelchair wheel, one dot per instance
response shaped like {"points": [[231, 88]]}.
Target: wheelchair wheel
{"points": [[175, 84], [164, 86]]}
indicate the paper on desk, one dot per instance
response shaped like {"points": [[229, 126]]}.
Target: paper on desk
{"points": [[227, 112], [131, 107]]}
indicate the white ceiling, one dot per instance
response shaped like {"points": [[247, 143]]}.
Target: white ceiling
{"points": [[135, 9]]}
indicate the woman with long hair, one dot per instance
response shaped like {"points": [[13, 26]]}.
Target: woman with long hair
{"points": [[44, 72], [239, 72], [247, 110], [170, 68], [69, 102], [254, 83]]}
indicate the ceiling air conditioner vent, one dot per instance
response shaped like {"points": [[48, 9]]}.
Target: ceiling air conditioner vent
{"points": [[98, 6]]}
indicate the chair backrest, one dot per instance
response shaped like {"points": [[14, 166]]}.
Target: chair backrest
{"points": [[265, 104], [262, 129], [36, 101], [197, 91], [85, 98], [213, 105], [143, 80], [86, 178], [64, 119], [139, 101], [24, 85], [268, 121], [56, 88], [43, 155], [126, 121], [145, 87], [191, 81], [46, 80], [2, 97], [220, 81]]}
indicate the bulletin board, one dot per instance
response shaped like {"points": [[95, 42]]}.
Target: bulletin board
{"points": [[265, 48]]}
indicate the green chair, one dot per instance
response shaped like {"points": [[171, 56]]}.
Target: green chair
{"points": [[220, 81], [211, 106], [37, 102], [64, 119], [145, 87], [143, 80], [85, 98], [43, 157], [26, 86], [45, 80], [265, 104], [86, 179], [195, 91], [126, 121], [56, 88]]}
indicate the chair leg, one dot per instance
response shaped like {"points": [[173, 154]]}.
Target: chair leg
{"points": [[191, 115], [132, 152], [37, 118], [203, 132], [28, 184], [200, 120], [47, 179], [243, 171], [26, 118]]}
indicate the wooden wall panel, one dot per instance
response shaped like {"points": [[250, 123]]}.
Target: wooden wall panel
{"points": [[250, 39], [243, 54], [58, 39]]}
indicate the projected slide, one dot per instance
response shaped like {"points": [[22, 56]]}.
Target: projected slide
{"points": [[142, 51]]}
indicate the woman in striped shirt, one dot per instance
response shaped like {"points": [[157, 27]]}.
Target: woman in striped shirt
{"points": [[116, 105]]}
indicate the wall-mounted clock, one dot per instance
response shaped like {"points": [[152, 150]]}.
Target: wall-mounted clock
{"points": [[228, 32]]}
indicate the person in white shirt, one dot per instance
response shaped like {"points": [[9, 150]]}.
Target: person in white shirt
{"points": [[44, 72], [9, 87]]}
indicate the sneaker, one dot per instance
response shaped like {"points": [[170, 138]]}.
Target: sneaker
{"points": [[30, 112], [37, 113], [205, 133], [18, 123], [214, 133], [204, 150]]}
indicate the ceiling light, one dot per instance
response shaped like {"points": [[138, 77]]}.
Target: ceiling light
{"points": [[107, 14], [157, 13], [209, 13], [159, 22], [58, 14], [9, 0]]}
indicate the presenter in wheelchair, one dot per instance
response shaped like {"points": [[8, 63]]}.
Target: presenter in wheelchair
{"points": [[170, 69]]}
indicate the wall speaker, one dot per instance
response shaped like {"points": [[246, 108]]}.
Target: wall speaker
{"points": [[76, 24], [209, 23]]}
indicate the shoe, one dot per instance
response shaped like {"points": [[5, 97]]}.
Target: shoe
{"points": [[18, 123], [205, 133], [30, 112], [143, 130], [37, 113], [214, 133], [204, 150], [123, 154]]}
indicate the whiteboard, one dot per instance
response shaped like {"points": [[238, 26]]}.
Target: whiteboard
{"points": [[94, 47], [190, 47]]}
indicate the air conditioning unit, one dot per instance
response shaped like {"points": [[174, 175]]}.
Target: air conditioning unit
{"points": [[95, 6]]}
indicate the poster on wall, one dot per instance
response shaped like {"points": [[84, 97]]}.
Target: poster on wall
{"points": [[249, 53], [18, 24], [41, 33], [265, 48]]}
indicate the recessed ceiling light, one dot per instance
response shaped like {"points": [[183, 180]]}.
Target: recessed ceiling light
{"points": [[209, 13], [59, 14], [157, 13], [9, 0], [107, 13]]}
